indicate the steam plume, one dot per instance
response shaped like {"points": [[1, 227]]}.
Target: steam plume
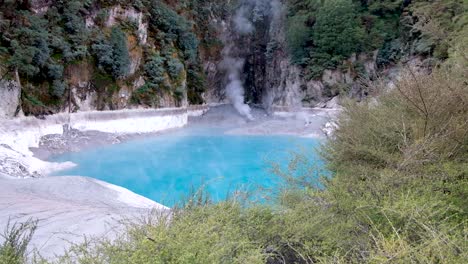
{"points": [[242, 22], [234, 89]]}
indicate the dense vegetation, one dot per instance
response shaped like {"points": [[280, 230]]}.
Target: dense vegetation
{"points": [[46, 47], [322, 34]]}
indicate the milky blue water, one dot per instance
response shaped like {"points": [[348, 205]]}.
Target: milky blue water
{"points": [[167, 167]]}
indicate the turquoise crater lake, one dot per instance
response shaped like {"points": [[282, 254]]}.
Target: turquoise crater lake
{"points": [[167, 167]]}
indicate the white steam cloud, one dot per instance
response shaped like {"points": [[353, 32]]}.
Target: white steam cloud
{"points": [[235, 89], [242, 25], [241, 22]]}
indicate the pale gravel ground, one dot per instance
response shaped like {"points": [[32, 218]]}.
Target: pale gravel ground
{"points": [[67, 209]]}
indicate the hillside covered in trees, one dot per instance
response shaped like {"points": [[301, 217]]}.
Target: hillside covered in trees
{"points": [[151, 48], [68, 56], [322, 34]]}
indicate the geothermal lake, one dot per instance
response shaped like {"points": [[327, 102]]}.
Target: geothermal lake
{"points": [[168, 167]]}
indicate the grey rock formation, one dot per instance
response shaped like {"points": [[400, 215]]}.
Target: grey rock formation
{"points": [[10, 92], [40, 6]]}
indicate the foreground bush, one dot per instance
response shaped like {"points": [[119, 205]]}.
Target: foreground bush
{"points": [[15, 239]]}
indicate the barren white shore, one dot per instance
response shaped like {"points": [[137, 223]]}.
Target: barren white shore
{"points": [[18, 135], [69, 208]]}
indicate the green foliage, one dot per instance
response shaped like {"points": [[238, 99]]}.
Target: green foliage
{"points": [[146, 95], [175, 28], [321, 34], [336, 30], [391, 52], [58, 88], [174, 68], [22, 60], [188, 42], [155, 71], [55, 71], [298, 34], [437, 25], [41, 45], [16, 239], [103, 52], [202, 11], [30, 48], [112, 55], [196, 85], [120, 56], [102, 80]]}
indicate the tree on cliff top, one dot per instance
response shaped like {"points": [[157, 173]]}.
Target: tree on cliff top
{"points": [[337, 31], [112, 54], [121, 58]]}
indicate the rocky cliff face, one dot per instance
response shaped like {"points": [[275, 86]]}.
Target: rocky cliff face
{"points": [[10, 93], [84, 96], [86, 85], [268, 76], [9, 98]]}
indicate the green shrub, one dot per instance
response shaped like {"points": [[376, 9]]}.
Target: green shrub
{"points": [[146, 95], [174, 68], [173, 28], [155, 71], [120, 56], [16, 240], [196, 85], [337, 31], [58, 88], [298, 35], [29, 45], [55, 71], [112, 55]]}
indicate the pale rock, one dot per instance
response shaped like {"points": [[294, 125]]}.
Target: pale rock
{"points": [[10, 92], [332, 77], [135, 62], [333, 103], [330, 128], [40, 6], [85, 101], [117, 13]]}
